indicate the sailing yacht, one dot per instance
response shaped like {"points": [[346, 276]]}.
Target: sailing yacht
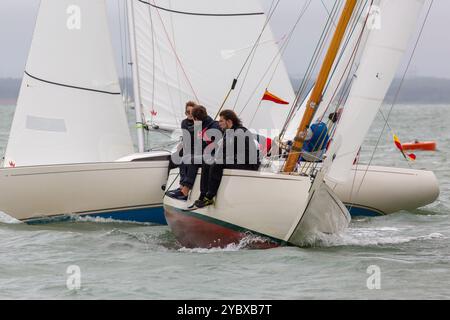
{"points": [[176, 66], [289, 207], [70, 127], [70, 151]]}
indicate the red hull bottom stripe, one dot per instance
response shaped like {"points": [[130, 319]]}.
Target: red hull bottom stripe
{"points": [[193, 230]]}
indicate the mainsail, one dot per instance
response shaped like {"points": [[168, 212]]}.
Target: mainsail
{"points": [[380, 60], [192, 50], [70, 106]]}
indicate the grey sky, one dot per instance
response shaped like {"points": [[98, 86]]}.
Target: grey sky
{"points": [[17, 19]]}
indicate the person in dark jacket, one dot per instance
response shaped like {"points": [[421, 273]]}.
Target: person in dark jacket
{"points": [[185, 148], [192, 159], [236, 150]]}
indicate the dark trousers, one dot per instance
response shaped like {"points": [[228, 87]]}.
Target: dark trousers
{"points": [[188, 173], [212, 177], [172, 165]]}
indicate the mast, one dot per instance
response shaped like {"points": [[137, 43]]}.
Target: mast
{"points": [[135, 71], [317, 92]]}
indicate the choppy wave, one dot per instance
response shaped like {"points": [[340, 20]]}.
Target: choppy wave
{"points": [[6, 219], [368, 237], [248, 242], [90, 219]]}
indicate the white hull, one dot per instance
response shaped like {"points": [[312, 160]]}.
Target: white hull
{"points": [[115, 189], [384, 190], [267, 204]]}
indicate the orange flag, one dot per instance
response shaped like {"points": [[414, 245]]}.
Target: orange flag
{"points": [[271, 97], [397, 142]]}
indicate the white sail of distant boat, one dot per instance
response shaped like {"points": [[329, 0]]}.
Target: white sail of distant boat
{"points": [[70, 127], [380, 60], [70, 107], [192, 50]]}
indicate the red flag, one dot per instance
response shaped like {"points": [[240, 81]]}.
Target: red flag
{"points": [[271, 97], [400, 147]]}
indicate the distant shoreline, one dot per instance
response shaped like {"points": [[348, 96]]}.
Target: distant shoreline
{"points": [[8, 102]]}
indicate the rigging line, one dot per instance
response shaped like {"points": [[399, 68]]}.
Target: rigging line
{"points": [[328, 12], [347, 82], [346, 44], [311, 66], [322, 47], [255, 45], [127, 53], [279, 54], [386, 121], [290, 35], [319, 47], [154, 61], [152, 27], [176, 65], [167, 81], [410, 59], [233, 86], [398, 91], [344, 95], [313, 63], [121, 48], [245, 79], [252, 53], [175, 52], [271, 5]]}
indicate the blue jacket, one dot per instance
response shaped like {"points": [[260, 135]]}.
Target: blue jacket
{"points": [[319, 139]]}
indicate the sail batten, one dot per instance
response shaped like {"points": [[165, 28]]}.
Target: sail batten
{"points": [[70, 86], [205, 14]]}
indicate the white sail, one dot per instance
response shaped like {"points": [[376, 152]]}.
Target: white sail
{"points": [[70, 107], [380, 60], [192, 50]]}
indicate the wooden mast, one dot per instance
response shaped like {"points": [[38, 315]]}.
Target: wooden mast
{"points": [[317, 92]]}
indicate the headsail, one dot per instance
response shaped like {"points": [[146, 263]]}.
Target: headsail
{"points": [[192, 50], [70, 107], [379, 62]]}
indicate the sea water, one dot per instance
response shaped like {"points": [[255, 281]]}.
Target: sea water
{"points": [[405, 255]]}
